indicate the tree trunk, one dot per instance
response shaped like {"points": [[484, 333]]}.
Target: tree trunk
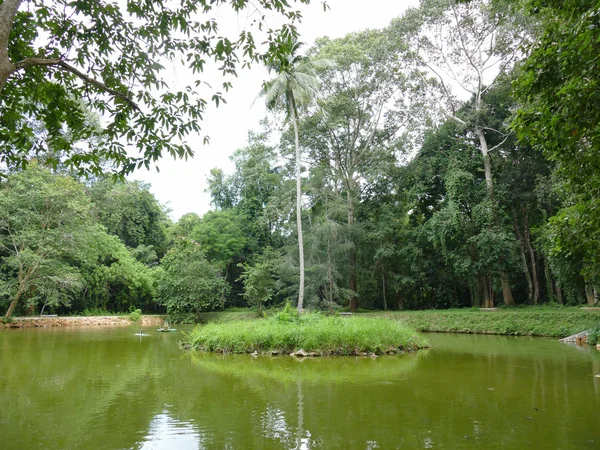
{"points": [[506, 290], [524, 265], [559, 294], [329, 271], [475, 297], [589, 294], [487, 163], [400, 301], [383, 286], [13, 304], [299, 211], [352, 257], [8, 10], [549, 282], [486, 289], [527, 275], [489, 183], [534, 271]]}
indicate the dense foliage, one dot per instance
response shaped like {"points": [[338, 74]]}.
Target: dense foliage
{"points": [[448, 160], [60, 57]]}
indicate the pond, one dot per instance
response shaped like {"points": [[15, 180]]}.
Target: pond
{"points": [[105, 388]]}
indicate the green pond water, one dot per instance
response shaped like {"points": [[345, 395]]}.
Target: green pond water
{"points": [[105, 388]]}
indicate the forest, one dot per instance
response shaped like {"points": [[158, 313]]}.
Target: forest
{"points": [[448, 160]]}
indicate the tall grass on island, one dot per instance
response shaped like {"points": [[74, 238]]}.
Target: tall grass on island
{"points": [[310, 334]]}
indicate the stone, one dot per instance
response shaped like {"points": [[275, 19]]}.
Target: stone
{"points": [[301, 352], [391, 349], [314, 354], [275, 352], [254, 353], [293, 354]]}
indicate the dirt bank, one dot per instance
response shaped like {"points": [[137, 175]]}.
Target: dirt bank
{"points": [[54, 321]]}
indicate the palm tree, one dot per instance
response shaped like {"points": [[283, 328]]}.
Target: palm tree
{"points": [[295, 86]]}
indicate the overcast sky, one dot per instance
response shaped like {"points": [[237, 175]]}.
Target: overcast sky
{"points": [[181, 184]]}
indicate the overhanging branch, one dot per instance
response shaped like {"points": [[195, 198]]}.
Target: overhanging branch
{"points": [[63, 65]]}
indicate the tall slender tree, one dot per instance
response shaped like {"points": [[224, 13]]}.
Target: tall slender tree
{"points": [[295, 86]]}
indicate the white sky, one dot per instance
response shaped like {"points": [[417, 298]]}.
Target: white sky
{"points": [[180, 184]]}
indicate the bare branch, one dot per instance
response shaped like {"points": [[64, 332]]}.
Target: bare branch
{"points": [[500, 144], [453, 117]]}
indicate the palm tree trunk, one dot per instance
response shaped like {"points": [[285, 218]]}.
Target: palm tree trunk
{"points": [[299, 211]]}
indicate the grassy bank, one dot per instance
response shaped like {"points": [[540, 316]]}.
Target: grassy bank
{"points": [[528, 321], [287, 332]]}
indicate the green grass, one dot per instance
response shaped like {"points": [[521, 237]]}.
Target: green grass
{"points": [[229, 315], [523, 321], [287, 332]]}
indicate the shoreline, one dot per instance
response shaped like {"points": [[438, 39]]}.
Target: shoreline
{"points": [[79, 321], [531, 321]]}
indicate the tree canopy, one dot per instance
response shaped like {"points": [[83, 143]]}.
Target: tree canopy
{"points": [[59, 58]]}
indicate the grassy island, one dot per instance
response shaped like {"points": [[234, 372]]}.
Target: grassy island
{"points": [[309, 334]]}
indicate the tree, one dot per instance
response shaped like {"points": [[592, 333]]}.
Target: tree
{"points": [[224, 239], [468, 45], [259, 279], [294, 87], [114, 279], [365, 108], [130, 211], [59, 55], [187, 281], [45, 223], [559, 88]]}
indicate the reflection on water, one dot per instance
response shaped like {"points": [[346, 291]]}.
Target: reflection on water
{"points": [[106, 389], [167, 433]]}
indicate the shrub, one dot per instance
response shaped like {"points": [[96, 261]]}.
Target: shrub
{"points": [[594, 336], [135, 315]]}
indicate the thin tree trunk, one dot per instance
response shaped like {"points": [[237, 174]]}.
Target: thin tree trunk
{"points": [[299, 211], [329, 270], [489, 183], [13, 304], [549, 281], [352, 257], [534, 271], [383, 287], [506, 290], [475, 299], [589, 293], [486, 289], [487, 163], [527, 275], [400, 301], [523, 257], [559, 294]]}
